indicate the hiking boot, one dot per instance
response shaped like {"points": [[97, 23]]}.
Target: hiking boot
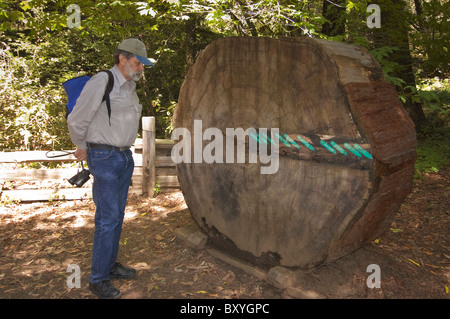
{"points": [[118, 271], [104, 290]]}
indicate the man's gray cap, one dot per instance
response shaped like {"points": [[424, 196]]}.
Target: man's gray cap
{"points": [[136, 47]]}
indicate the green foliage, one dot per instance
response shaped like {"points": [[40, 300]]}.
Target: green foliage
{"points": [[430, 39], [26, 107], [437, 101], [433, 151], [270, 18], [157, 189], [38, 51], [389, 66]]}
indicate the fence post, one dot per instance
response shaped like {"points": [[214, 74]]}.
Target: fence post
{"points": [[148, 155]]}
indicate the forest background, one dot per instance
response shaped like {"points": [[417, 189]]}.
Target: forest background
{"points": [[41, 46]]}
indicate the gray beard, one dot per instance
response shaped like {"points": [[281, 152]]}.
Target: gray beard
{"points": [[135, 76]]}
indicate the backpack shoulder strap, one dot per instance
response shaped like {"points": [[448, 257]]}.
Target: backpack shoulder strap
{"points": [[108, 90]]}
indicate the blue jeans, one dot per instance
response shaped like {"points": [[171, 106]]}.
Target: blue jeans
{"points": [[112, 171]]}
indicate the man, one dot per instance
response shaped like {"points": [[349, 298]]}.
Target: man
{"points": [[104, 142]]}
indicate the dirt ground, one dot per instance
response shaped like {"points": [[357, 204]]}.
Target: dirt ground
{"points": [[38, 241]]}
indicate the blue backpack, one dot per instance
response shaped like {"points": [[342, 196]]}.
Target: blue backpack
{"points": [[73, 88]]}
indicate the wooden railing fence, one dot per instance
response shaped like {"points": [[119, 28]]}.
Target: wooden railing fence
{"points": [[154, 171]]}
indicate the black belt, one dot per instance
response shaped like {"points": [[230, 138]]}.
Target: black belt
{"points": [[107, 147]]}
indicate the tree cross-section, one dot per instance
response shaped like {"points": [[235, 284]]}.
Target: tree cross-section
{"points": [[333, 193]]}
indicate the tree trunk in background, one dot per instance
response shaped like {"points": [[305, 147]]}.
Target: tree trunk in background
{"points": [[418, 6], [394, 33], [334, 12]]}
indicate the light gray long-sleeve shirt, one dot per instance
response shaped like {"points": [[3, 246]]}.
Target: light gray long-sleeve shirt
{"points": [[89, 122]]}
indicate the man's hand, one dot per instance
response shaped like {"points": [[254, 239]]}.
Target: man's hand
{"points": [[80, 154]]}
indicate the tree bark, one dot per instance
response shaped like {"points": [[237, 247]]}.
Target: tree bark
{"points": [[394, 33]]}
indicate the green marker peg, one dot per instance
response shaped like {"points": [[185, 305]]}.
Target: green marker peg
{"points": [[283, 140], [363, 151], [351, 149], [328, 147], [309, 146], [340, 149], [291, 141]]}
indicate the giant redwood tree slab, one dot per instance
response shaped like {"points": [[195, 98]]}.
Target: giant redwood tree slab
{"points": [[346, 148]]}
